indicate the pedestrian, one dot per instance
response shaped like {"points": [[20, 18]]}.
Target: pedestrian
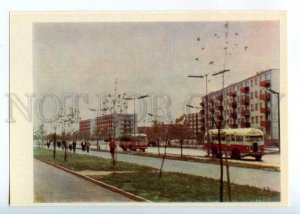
{"points": [[70, 147], [112, 148], [87, 144], [64, 145], [48, 144], [74, 146]]}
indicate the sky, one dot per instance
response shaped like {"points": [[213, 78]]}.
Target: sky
{"points": [[152, 58]]}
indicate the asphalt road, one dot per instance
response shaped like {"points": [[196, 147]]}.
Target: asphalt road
{"points": [[57, 186], [238, 175]]}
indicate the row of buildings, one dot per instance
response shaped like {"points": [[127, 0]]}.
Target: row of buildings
{"points": [[105, 126], [248, 103]]}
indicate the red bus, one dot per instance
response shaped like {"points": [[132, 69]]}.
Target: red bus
{"points": [[134, 142], [238, 142]]}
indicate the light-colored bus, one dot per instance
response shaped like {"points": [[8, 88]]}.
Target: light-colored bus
{"points": [[238, 142], [134, 142]]}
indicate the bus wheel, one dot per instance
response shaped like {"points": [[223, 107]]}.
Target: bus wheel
{"points": [[143, 150], [235, 154], [214, 152], [258, 157], [124, 149]]}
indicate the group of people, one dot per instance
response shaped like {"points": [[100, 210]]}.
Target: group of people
{"points": [[85, 146]]}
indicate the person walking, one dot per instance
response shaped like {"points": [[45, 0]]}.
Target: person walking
{"points": [[112, 148], [74, 145], [87, 144]]}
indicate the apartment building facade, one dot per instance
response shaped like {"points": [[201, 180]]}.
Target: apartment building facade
{"points": [[247, 103], [107, 124]]}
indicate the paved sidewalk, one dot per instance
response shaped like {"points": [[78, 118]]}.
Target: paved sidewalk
{"points": [[57, 186]]}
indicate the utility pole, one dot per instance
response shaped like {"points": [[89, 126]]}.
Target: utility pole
{"points": [[219, 126]]}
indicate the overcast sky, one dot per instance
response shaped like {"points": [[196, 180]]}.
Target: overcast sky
{"points": [[148, 58]]}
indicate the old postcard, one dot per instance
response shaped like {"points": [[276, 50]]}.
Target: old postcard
{"points": [[148, 109]]}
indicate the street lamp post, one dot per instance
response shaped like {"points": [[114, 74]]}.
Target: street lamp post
{"points": [[206, 107], [96, 128], [278, 113]]}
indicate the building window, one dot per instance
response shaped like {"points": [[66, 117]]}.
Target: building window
{"points": [[247, 83], [256, 118], [255, 80], [251, 94], [261, 118], [251, 83], [256, 106], [255, 94], [252, 107], [252, 119]]}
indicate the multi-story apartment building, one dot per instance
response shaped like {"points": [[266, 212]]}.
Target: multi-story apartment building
{"points": [[123, 123], [85, 128], [245, 104], [194, 121]]}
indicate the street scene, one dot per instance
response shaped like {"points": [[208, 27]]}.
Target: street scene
{"points": [[157, 112]]}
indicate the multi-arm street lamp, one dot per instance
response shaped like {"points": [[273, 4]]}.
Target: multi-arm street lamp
{"points": [[206, 107], [134, 98], [278, 113]]}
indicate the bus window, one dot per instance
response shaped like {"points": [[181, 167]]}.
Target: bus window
{"points": [[239, 138], [232, 138], [222, 137], [254, 138], [228, 138]]}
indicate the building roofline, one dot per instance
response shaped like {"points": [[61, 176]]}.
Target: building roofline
{"points": [[257, 74]]}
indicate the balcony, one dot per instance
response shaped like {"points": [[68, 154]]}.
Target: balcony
{"points": [[245, 125], [210, 118], [219, 108], [233, 104], [264, 110], [202, 128], [245, 90], [265, 123], [210, 100], [219, 117], [233, 125], [245, 113], [232, 93], [233, 115], [202, 120], [202, 111], [265, 83], [211, 109], [245, 101], [219, 98], [266, 96]]}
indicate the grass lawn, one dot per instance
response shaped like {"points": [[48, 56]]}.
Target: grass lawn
{"points": [[78, 162], [144, 181]]}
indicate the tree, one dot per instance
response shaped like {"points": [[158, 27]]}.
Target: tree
{"points": [[39, 135]]}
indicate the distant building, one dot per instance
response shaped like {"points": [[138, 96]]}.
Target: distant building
{"points": [[193, 125], [245, 104], [85, 128], [105, 124]]}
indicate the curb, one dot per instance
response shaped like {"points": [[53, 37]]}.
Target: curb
{"points": [[99, 183]]}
